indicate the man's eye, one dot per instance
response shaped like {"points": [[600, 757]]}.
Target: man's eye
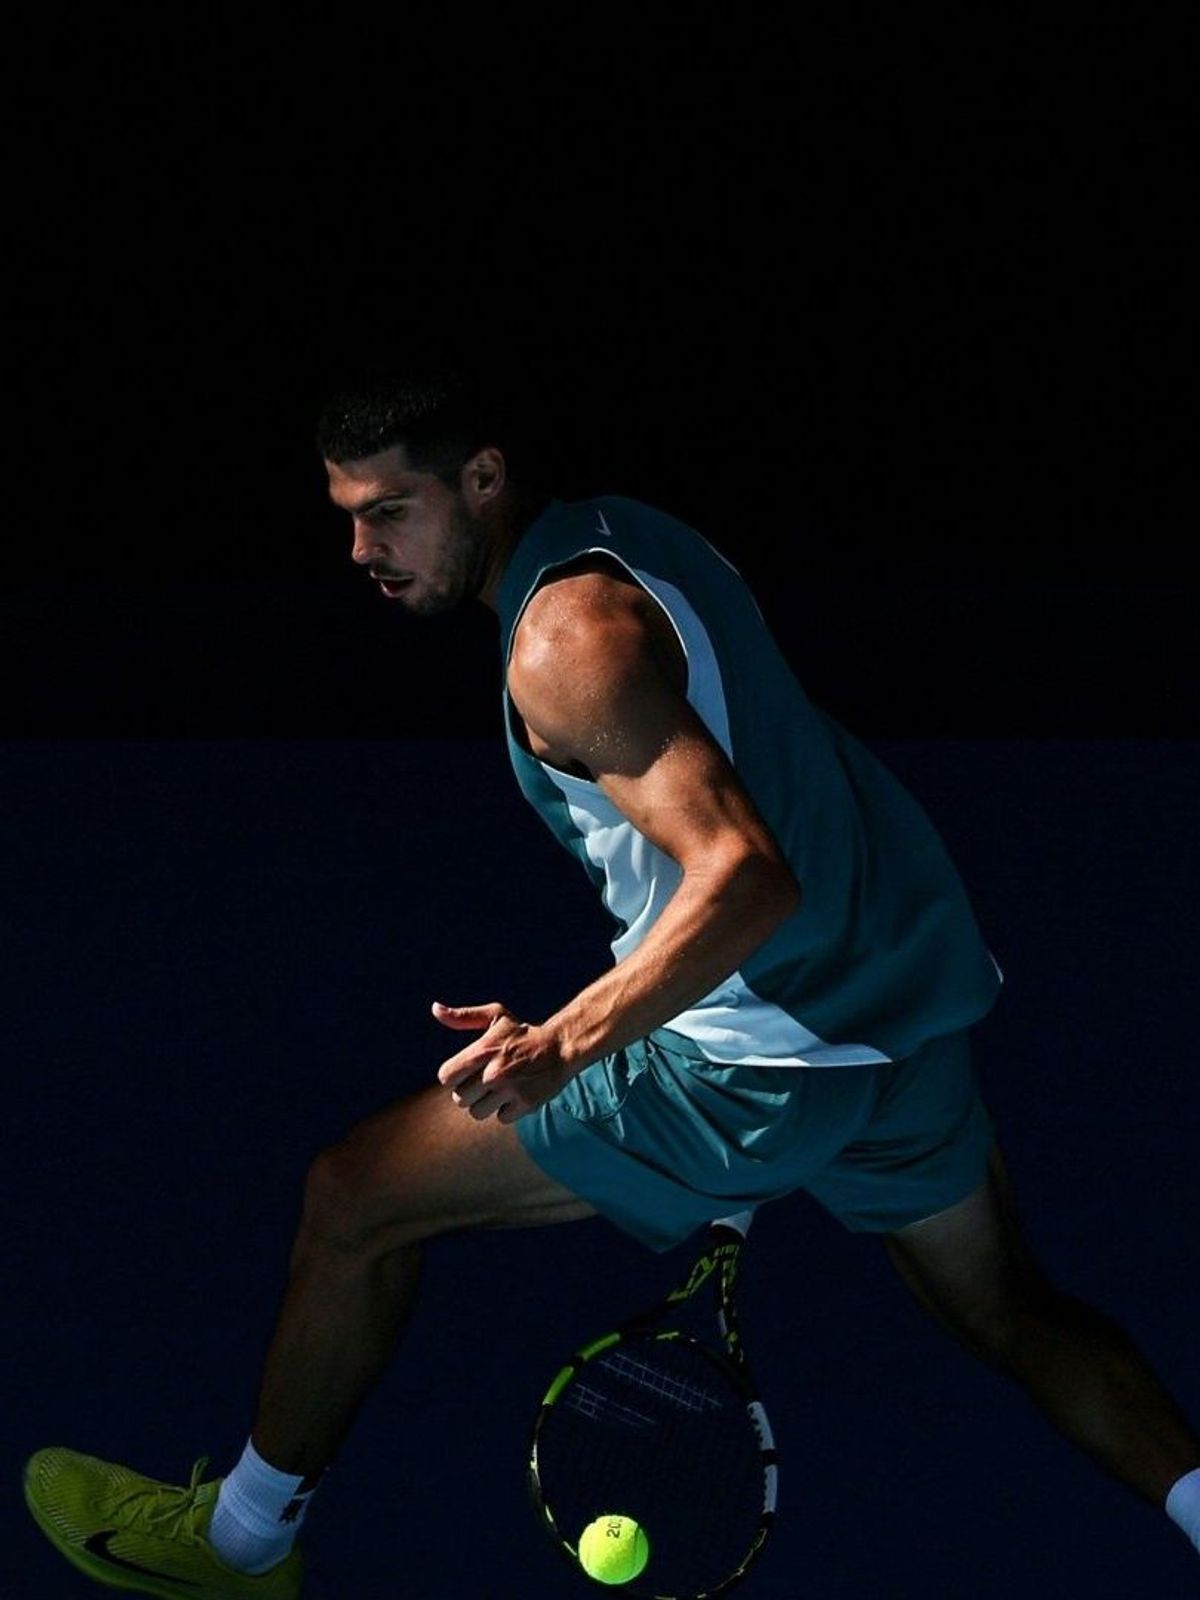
{"points": [[392, 513]]}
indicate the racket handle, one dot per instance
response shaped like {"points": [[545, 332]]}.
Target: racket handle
{"points": [[739, 1222]]}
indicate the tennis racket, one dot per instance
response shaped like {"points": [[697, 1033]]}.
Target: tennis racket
{"points": [[658, 1424]]}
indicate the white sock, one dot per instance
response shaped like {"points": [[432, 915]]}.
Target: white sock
{"points": [[257, 1514], [1183, 1505]]}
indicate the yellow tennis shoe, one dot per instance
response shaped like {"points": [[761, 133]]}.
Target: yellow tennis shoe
{"points": [[136, 1534]]}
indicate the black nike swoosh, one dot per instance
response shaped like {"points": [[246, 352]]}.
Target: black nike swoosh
{"points": [[97, 1545]]}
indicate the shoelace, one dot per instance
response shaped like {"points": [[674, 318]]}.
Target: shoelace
{"points": [[150, 1509]]}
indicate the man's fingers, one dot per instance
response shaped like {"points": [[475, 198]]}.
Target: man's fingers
{"points": [[467, 1016], [478, 1073], [482, 1102], [486, 1106], [473, 1085], [454, 1073]]}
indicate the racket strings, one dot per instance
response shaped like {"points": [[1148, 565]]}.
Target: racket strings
{"points": [[673, 1389], [601, 1406], [657, 1430]]}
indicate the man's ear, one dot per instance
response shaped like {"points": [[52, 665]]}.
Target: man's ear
{"points": [[484, 476]]}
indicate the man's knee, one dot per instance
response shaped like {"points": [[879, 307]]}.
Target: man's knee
{"points": [[998, 1325], [973, 1270], [422, 1167], [349, 1208]]}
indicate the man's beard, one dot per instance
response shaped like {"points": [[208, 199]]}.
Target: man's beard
{"points": [[460, 574]]}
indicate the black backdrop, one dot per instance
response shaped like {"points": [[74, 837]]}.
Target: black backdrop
{"points": [[896, 320]]}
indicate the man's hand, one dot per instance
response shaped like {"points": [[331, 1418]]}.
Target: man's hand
{"points": [[514, 1068]]}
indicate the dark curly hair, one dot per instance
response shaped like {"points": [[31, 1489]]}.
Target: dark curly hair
{"points": [[441, 414]]}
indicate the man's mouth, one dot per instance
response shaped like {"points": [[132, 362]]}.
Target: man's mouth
{"points": [[392, 586]]}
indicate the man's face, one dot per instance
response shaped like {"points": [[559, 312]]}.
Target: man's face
{"points": [[418, 539]]}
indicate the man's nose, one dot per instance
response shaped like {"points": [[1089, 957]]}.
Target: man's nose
{"points": [[364, 546]]}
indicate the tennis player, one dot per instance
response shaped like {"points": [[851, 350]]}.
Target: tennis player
{"points": [[797, 973]]}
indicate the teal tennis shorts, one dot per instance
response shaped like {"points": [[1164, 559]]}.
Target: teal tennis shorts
{"points": [[661, 1141]]}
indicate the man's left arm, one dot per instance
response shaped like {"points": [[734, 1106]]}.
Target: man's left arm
{"points": [[596, 693]]}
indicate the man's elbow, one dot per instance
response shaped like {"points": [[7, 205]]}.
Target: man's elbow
{"points": [[787, 886], [771, 884]]}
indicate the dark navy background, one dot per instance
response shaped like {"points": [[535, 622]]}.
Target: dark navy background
{"points": [[219, 955], [891, 311]]}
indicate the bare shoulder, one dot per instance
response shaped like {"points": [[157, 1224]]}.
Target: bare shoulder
{"points": [[599, 680], [595, 612]]}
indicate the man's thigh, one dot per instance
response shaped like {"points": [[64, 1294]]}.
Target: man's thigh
{"points": [[971, 1266], [423, 1166]]}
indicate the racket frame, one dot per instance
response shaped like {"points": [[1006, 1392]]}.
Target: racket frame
{"points": [[717, 1263]]}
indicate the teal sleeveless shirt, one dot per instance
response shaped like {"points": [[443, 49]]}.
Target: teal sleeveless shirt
{"points": [[883, 953]]}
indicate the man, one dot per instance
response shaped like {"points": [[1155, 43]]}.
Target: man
{"points": [[797, 971]]}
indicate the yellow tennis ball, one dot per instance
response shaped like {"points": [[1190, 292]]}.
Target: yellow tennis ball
{"points": [[613, 1549]]}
